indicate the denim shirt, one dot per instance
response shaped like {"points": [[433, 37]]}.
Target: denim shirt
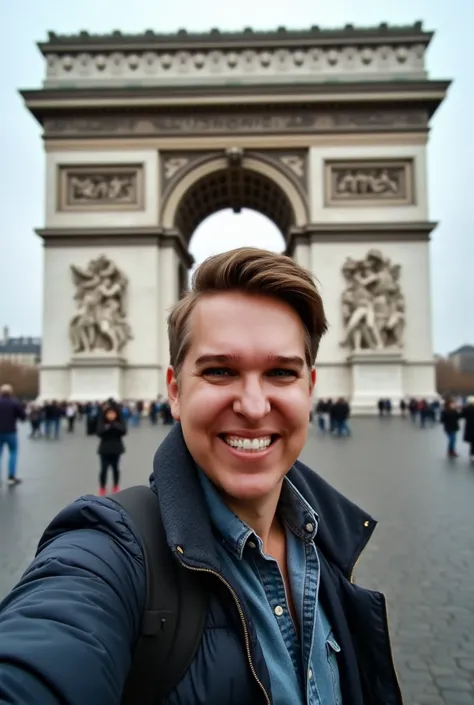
{"points": [[302, 661]]}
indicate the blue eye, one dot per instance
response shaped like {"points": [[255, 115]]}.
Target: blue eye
{"points": [[281, 372], [217, 372]]}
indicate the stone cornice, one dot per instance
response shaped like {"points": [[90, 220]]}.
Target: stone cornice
{"points": [[102, 237], [360, 232], [285, 56], [282, 36], [237, 101]]}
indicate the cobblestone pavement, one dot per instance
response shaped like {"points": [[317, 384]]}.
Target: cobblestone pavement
{"points": [[421, 555]]}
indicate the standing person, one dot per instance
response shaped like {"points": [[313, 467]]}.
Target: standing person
{"points": [[341, 412], [468, 416], [110, 429], [71, 413], [413, 409], [34, 417], [52, 419], [271, 545], [403, 408], [423, 412], [450, 421], [11, 411], [321, 415]]}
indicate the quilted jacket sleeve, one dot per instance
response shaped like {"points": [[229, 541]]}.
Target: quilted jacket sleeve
{"points": [[67, 629]]}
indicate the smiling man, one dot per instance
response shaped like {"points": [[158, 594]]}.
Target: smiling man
{"points": [[273, 545]]}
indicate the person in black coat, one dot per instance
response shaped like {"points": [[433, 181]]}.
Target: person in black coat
{"points": [[450, 421], [110, 429], [468, 416]]}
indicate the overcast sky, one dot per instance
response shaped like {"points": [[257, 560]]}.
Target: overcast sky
{"points": [[451, 150]]}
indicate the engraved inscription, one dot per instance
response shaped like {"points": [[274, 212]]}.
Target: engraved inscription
{"points": [[311, 121]]}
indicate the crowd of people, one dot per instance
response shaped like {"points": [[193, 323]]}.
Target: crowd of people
{"points": [[107, 420], [110, 422]]}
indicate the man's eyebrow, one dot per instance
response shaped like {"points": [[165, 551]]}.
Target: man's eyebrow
{"points": [[294, 360]]}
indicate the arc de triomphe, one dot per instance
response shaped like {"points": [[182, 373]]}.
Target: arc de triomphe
{"points": [[323, 131]]}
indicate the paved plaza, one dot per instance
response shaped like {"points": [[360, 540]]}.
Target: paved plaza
{"points": [[421, 555]]}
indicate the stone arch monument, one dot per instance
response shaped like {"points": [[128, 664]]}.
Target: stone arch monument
{"points": [[323, 131]]}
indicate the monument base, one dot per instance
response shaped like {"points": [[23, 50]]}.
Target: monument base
{"points": [[95, 377], [375, 375]]}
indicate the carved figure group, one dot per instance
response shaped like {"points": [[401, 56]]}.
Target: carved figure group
{"points": [[100, 320], [367, 182], [373, 306], [102, 187]]}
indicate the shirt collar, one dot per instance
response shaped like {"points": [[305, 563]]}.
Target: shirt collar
{"points": [[295, 511]]}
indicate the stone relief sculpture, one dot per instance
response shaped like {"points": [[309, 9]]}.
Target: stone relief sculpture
{"points": [[373, 306], [295, 163], [374, 182], [173, 165], [100, 320], [102, 188]]}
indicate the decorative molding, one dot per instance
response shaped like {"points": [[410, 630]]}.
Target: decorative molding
{"points": [[359, 232], [106, 237], [369, 183], [316, 60], [256, 121], [100, 187]]}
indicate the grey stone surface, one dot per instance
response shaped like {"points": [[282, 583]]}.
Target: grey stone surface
{"points": [[421, 554]]}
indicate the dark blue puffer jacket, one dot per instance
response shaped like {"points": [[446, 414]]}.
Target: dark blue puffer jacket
{"points": [[67, 630]]}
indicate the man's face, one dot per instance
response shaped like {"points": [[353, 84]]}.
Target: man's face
{"points": [[244, 392]]}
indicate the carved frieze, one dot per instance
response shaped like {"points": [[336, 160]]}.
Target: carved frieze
{"points": [[96, 187], [367, 183], [226, 122]]}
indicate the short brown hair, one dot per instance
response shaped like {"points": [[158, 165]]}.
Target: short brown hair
{"points": [[253, 271]]}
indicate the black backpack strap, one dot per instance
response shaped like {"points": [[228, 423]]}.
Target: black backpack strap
{"points": [[175, 611]]}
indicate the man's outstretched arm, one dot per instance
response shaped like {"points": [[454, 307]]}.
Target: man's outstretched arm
{"points": [[67, 629]]}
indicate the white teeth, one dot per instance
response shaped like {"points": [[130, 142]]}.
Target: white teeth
{"points": [[248, 444]]}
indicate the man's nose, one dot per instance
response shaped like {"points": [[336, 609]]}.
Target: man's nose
{"points": [[252, 400]]}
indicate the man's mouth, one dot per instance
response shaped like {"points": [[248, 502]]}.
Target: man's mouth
{"points": [[251, 445]]}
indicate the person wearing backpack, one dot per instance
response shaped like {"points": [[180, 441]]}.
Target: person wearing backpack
{"points": [[230, 580]]}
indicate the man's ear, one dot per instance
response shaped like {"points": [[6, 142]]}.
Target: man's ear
{"points": [[173, 392], [312, 380]]}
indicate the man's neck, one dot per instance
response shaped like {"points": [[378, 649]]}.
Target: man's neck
{"points": [[259, 515]]}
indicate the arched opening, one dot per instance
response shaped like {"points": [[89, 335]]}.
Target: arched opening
{"points": [[225, 230], [235, 188], [231, 202]]}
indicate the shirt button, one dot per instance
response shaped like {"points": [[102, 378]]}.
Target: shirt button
{"points": [[278, 610], [309, 527], [310, 674], [251, 544]]}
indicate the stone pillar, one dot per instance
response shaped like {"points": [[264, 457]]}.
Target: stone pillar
{"points": [[174, 263]]}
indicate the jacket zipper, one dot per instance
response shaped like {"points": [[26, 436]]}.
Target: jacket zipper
{"points": [[351, 578], [242, 618]]}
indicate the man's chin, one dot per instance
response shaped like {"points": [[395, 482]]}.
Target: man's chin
{"points": [[245, 488]]}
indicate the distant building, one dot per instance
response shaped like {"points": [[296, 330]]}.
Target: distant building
{"points": [[21, 351], [463, 359]]}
